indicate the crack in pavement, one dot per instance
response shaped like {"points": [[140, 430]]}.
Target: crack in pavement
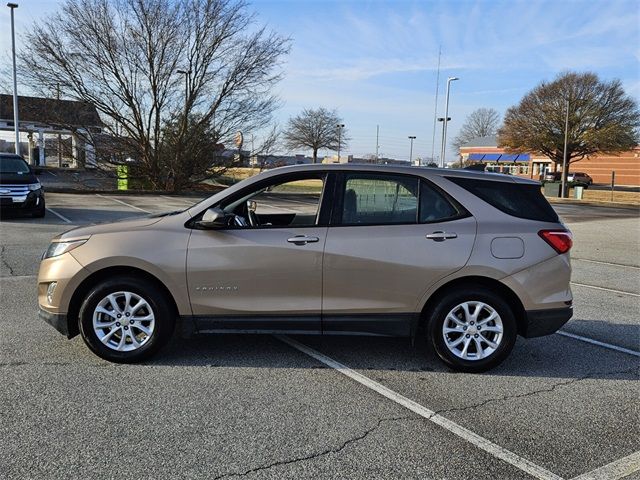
{"points": [[318, 454], [532, 393], [5, 262]]}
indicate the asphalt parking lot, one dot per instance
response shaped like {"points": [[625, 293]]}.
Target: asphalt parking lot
{"points": [[227, 406]]}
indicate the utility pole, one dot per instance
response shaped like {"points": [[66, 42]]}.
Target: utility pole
{"points": [[16, 121], [59, 135], [377, 141], [435, 108], [411, 139], [446, 120], [340, 127]]}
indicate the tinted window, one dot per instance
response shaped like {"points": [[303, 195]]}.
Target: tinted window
{"points": [[434, 206], [517, 199], [13, 165], [379, 200]]}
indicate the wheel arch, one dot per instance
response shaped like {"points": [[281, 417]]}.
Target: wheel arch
{"points": [[476, 281], [81, 291]]}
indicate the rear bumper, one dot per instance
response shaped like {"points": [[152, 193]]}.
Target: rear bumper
{"points": [[56, 320], [545, 322]]}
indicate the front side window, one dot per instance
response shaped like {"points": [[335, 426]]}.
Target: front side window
{"points": [[284, 203], [379, 200]]}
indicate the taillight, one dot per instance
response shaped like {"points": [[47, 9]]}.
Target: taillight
{"points": [[560, 240]]}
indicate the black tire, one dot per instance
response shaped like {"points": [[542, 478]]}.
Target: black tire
{"points": [[163, 312], [40, 211], [437, 316]]}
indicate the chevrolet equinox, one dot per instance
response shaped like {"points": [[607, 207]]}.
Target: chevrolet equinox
{"points": [[469, 260]]}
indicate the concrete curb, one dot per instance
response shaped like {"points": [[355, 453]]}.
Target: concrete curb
{"points": [[132, 192]]}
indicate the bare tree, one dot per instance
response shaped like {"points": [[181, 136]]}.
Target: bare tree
{"points": [[602, 119], [482, 122], [316, 129], [123, 56]]}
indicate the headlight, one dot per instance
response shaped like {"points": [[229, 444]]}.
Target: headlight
{"points": [[35, 186], [58, 248]]}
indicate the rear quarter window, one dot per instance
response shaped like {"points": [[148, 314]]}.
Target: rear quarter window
{"points": [[516, 199]]}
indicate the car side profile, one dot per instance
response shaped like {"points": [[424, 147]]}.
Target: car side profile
{"points": [[469, 260]]}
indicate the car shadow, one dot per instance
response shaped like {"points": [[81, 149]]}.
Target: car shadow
{"points": [[553, 356]]}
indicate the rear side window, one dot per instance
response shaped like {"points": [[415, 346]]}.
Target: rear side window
{"points": [[434, 207], [379, 200], [516, 199]]}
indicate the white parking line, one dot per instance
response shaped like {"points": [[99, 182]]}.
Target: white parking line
{"points": [[615, 470], [605, 263], [624, 292], [62, 217], [179, 199], [123, 203], [471, 437], [599, 343]]}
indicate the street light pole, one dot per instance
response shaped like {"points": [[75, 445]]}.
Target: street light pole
{"points": [[411, 138], [377, 141], [340, 127], [441, 119], [564, 154], [16, 121], [446, 116]]}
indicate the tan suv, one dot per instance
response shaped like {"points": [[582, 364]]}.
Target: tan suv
{"points": [[468, 259]]}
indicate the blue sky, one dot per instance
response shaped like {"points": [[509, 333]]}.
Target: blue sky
{"points": [[375, 61]]}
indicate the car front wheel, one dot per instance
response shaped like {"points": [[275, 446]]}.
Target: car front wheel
{"points": [[472, 329], [125, 319]]}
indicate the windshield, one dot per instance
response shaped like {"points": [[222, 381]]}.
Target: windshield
{"points": [[13, 165]]}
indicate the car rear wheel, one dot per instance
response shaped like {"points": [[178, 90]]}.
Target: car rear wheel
{"points": [[125, 319], [472, 329]]}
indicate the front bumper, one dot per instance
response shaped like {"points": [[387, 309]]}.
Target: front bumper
{"points": [[26, 203], [545, 322], [56, 320]]}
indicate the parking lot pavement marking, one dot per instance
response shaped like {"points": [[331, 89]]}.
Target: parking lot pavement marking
{"points": [[17, 277], [60, 216], [599, 343], [605, 263], [614, 470], [177, 199], [123, 203], [624, 292], [467, 435]]}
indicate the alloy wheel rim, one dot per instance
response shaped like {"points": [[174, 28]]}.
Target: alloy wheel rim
{"points": [[472, 330], [123, 321]]}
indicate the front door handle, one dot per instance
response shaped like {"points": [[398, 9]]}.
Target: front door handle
{"points": [[302, 239], [441, 236]]}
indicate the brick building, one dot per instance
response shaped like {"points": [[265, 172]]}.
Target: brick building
{"points": [[626, 165]]}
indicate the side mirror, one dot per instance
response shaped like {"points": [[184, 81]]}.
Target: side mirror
{"points": [[37, 171], [213, 218]]}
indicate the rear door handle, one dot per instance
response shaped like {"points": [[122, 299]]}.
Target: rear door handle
{"points": [[302, 239], [441, 236]]}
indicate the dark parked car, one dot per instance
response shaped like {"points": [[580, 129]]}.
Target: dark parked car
{"points": [[20, 190]]}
